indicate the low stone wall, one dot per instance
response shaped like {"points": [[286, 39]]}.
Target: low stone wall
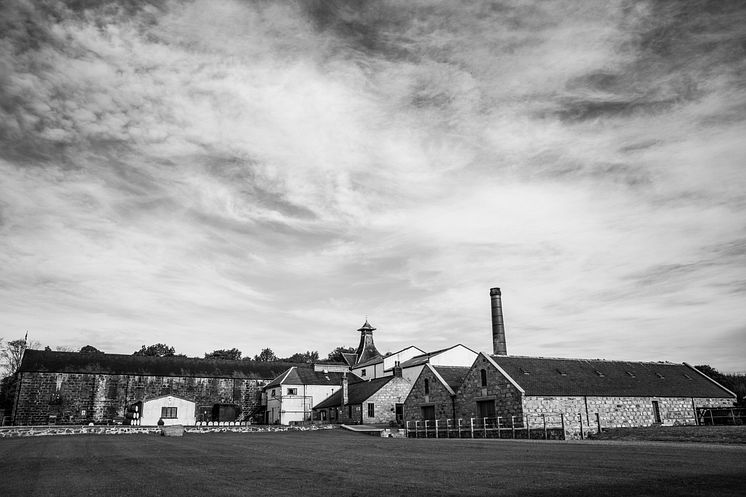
{"points": [[38, 431]]}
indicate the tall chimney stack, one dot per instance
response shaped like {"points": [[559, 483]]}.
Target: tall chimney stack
{"points": [[498, 327]]}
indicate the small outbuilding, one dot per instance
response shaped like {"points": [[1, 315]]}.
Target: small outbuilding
{"points": [[171, 409]]}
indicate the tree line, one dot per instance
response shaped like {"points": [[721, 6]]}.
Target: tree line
{"points": [[11, 353]]}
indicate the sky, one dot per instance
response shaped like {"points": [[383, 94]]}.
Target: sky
{"points": [[217, 174]]}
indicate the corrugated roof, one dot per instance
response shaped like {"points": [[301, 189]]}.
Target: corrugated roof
{"points": [[306, 376], [452, 375], [575, 377], [357, 392], [75, 362]]}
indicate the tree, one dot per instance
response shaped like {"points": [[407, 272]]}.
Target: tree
{"points": [[266, 355], [736, 383], [336, 354], [11, 354], [225, 354], [307, 357], [156, 350], [90, 349]]}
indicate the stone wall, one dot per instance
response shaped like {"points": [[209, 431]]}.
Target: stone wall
{"points": [[439, 397], [385, 400], [507, 398], [80, 398], [615, 412], [39, 431]]}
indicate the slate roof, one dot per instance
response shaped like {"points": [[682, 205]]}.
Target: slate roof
{"points": [[302, 375], [424, 358], [350, 358], [452, 375], [576, 377], [375, 360], [357, 392], [76, 362]]}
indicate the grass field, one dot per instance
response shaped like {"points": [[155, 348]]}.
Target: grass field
{"points": [[706, 434], [341, 463]]}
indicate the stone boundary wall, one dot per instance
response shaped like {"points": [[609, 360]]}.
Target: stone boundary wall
{"points": [[38, 431]]}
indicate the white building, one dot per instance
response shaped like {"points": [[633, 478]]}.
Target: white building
{"points": [[291, 396], [171, 409]]}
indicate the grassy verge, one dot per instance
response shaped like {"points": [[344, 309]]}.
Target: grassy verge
{"points": [[701, 434]]}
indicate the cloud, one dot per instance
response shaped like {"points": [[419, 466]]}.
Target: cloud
{"points": [[241, 174]]}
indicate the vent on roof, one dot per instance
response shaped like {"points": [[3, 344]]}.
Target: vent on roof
{"points": [[659, 375], [599, 373], [687, 377], [524, 371], [562, 373], [630, 373]]}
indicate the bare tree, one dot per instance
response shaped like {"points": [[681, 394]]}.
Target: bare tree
{"points": [[11, 354]]}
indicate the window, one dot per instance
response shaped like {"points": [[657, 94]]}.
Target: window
{"points": [[483, 374], [656, 412], [292, 391], [659, 375], [427, 386], [524, 371], [349, 411], [599, 373], [273, 392], [371, 409], [561, 373], [362, 373], [168, 413]]}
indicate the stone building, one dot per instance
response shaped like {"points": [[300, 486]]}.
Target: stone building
{"points": [[73, 387], [433, 395], [374, 401]]}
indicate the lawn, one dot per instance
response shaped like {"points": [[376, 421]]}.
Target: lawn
{"points": [[341, 463], [699, 434]]}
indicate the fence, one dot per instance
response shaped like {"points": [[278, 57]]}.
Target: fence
{"points": [[543, 427], [709, 416]]}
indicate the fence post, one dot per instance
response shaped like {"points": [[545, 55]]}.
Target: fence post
{"points": [[598, 422], [416, 429], [512, 425], [580, 416], [436, 428], [471, 420], [562, 420], [406, 429], [544, 420], [499, 433]]}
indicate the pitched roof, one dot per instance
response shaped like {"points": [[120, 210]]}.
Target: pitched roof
{"points": [[452, 375], [357, 392], [76, 362], [302, 375], [425, 358], [350, 358], [554, 376], [369, 362]]}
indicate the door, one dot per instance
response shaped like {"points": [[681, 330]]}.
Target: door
{"points": [[656, 412], [399, 413], [428, 412]]}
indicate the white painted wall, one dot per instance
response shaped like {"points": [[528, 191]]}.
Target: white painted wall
{"points": [[285, 408], [456, 356], [151, 411], [401, 356]]}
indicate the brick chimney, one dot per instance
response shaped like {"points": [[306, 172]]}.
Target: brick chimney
{"points": [[345, 390], [499, 346]]}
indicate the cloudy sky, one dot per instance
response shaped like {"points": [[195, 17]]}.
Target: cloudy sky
{"points": [[217, 174]]}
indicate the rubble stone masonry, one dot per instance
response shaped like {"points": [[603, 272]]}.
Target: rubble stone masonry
{"points": [[438, 397], [506, 396], [79, 398]]}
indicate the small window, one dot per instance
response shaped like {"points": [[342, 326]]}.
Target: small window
{"points": [[168, 413], [524, 371], [273, 392], [483, 374], [599, 373], [362, 373], [659, 375], [292, 391], [371, 410], [427, 386], [561, 373]]}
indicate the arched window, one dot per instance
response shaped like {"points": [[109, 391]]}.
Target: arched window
{"points": [[483, 373], [427, 386]]}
